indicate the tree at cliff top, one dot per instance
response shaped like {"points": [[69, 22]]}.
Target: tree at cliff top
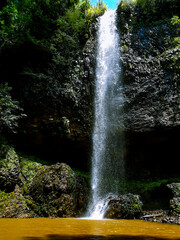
{"points": [[148, 12]]}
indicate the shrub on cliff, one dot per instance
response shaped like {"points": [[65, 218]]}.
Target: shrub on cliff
{"points": [[10, 111]]}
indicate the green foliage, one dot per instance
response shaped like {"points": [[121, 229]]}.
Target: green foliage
{"points": [[10, 112], [171, 57], [155, 6], [125, 3], [39, 20], [95, 11], [144, 186], [8, 20], [82, 173], [29, 166], [147, 12], [147, 5], [176, 41], [40, 44], [175, 20]]}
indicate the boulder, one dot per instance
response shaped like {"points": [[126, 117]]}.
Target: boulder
{"points": [[128, 206], [10, 172], [59, 192], [13, 205]]}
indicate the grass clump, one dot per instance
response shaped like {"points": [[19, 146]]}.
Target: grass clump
{"points": [[82, 173]]}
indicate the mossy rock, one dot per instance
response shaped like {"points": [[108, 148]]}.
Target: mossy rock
{"points": [[51, 181], [29, 168], [10, 171], [13, 205], [128, 206], [59, 192]]}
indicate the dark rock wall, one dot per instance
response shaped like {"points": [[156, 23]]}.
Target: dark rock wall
{"points": [[151, 89], [151, 99], [152, 154]]}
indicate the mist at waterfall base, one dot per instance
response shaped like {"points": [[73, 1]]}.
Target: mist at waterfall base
{"points": [[107, 156]]}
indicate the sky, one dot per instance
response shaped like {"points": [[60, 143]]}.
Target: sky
{"points": [[112, 4]]}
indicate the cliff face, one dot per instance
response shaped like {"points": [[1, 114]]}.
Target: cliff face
{"points": [[52, 129], [151, 78], [151, 75]]}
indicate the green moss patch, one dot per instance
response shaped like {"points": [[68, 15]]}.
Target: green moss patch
{"points": [[5, 200], [29, 167], [13, 205]]}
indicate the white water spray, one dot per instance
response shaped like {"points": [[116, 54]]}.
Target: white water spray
{"points": [[107, 158]]}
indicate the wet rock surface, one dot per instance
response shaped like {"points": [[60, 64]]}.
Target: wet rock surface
{"points": [[59, 192], [128, 206]]}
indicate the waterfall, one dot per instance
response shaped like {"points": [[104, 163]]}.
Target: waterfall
{"points": [[107, 157]]}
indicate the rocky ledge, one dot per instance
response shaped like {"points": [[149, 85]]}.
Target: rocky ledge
{"points": [[31, 189]]}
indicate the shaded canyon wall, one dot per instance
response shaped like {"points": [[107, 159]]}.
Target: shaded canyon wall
{"points": [[151, 72]]}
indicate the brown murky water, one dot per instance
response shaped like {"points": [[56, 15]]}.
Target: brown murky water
{"points": [[81, 229]]}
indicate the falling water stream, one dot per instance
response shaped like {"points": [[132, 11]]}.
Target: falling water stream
{"points": [[107, 157]]}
